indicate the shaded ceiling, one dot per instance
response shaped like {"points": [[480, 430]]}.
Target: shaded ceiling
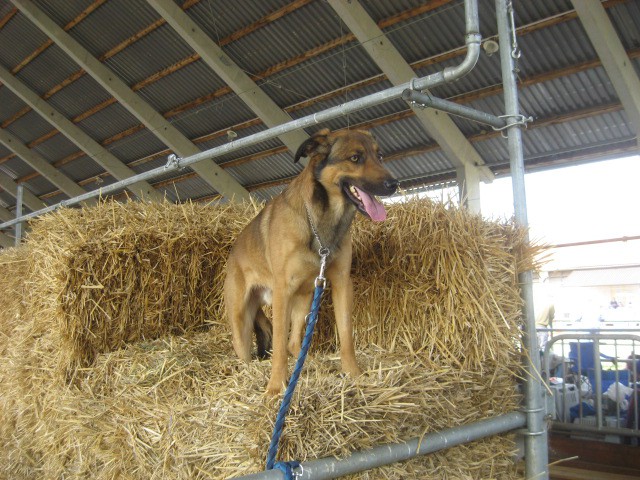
{"points": [[304, 58]]}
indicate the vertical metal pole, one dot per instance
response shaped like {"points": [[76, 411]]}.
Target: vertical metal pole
{"points": [[19, 195], [597, 372], [536, 449]]}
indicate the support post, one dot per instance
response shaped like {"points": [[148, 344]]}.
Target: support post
{"points": [[536, 453], [469, 188], [19, 194]]}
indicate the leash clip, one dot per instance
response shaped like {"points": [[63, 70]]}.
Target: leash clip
{"points": [[320, 279]]}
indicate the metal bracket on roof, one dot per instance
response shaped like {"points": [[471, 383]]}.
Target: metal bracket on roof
{"points": [[173, 162], [518, 120]]}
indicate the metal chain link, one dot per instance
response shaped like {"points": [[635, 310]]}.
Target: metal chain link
{"points": [[516, 53]]}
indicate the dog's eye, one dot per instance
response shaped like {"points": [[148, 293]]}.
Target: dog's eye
{"points": [[355, 158], [380, 156]]}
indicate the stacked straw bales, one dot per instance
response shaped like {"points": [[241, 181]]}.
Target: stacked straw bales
{"points": [[115, 361]]}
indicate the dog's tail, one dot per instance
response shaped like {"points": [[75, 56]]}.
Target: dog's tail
{"points": [[264, 334]]}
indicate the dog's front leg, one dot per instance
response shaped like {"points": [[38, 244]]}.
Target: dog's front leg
{"points": [[281, 320], [342, 295], [299, 310]]}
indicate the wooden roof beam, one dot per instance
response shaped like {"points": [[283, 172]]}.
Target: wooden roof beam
{"points": [[612, 54]]}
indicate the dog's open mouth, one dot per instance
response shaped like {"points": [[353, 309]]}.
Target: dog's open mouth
{"points": [[367, 204]]}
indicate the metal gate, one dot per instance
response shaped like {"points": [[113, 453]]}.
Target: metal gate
{"points": [[593, 379]]}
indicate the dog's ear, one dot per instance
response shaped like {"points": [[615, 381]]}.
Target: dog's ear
{"points": [[311, 145]]}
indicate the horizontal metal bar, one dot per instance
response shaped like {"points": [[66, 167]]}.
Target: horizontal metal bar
{"points": [[578, 427], [596, 331], [313, 119], [592, 336], [454, 108], [582, 336], [327, 468]]}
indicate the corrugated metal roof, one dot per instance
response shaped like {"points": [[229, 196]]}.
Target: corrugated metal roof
{"points": [[29, 127], [420, 165], [219, 18], [66, 99], [11, 104], [6, 200], [17, 169], [81, 168], [184, 190], [439, 31], [324, 73], [212, 116], [53, 60], [63, 12], [290, 36], [136, 146], [41, 185], [185, 85], [626, 19], [135, 64], [566, 105], [108, 121], [266, 194], [19, 27], [265, 170]]}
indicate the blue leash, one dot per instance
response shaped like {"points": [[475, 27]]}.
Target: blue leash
{"points": [[289, 468]]}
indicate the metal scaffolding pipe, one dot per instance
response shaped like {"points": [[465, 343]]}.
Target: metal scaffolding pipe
{"points": [[473, 40], [426, 100], [331, 467], [19, 195], [536, 453]]}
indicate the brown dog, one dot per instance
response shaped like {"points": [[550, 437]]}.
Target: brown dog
{"points": [[275, 259]]}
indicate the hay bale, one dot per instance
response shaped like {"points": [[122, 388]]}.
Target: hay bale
{"points": [[439, 281], [119, 273], [436, 322], [13, 269], [185, 408]]}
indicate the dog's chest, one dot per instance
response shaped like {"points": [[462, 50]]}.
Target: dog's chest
{"points": [[265, 296], [333, 230]]}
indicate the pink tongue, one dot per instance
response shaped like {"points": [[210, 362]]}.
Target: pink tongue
{"points": [[373, 207]]}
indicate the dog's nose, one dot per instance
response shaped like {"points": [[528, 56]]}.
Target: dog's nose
{"points": [[391, 184]]}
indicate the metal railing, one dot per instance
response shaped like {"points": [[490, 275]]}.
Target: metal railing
{"points": [[330, 467], [593, 378]]}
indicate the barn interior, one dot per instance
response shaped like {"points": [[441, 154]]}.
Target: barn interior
{"points": [[95, 92]]}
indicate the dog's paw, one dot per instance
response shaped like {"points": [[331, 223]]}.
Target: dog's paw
{"points": [[274, 388], [353, 371]]}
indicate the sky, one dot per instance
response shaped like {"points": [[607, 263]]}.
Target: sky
{"points": [[593, 201]]}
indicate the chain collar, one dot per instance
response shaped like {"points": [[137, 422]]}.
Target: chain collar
{"points": [[315, 231], [323, 251]]}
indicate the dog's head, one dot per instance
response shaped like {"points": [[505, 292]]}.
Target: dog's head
{"points": [[348, 164]]}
